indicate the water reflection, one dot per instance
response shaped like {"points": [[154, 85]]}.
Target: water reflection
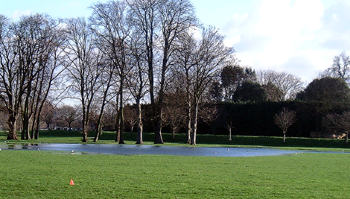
{"points": [[20, 146], [150, 149]]}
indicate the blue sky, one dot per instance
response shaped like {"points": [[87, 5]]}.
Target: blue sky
{"points": [[55, 8], [295, 36]]}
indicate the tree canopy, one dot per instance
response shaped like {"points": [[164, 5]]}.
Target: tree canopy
{"points": [[250, 92], [327, 89]]}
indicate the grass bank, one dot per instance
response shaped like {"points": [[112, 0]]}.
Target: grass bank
{"points": [[37, 174], [202, 140]]}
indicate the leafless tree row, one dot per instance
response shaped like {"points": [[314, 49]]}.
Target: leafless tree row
{"points": [[30, 64], [128, 51]]}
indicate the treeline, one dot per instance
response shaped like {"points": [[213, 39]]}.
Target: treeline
{"points": [[153, 54], [125, 51]]}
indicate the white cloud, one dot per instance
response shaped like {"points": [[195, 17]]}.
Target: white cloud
{"points": [[196, 32], [296, 36], [20, 13]]}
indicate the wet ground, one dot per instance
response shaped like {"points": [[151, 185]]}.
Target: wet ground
{"points": [[151, 150]]}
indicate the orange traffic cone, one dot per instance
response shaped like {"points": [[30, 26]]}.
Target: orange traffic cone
{"points": [[71, 182]]}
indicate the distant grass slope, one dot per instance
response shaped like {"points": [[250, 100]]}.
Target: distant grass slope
{"points": [[202, 140], [37, 174]]}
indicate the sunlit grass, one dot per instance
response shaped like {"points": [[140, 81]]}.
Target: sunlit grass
{"points": [[37, 174]]}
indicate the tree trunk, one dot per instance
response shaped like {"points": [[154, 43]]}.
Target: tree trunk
{"points": [[121, 122], [98, 132], [229, 133], [284, 136], [189, 122], [36, 129], [36, 134], [151, 82], [158, 139], [33, 129], [195, 123], [139, 139], [24, 126], [347, 138], [85, 131], [150, 72], [99, 126], [12, 121], [119, 136], [173, 129], [37, 118], [25, 135], [100, 117], [28, 137], [117, 119]]}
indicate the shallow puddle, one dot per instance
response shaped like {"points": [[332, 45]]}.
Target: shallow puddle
{"points": [[151, 149]]}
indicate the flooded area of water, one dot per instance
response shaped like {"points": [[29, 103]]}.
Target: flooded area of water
{"points": [[151, 150]]}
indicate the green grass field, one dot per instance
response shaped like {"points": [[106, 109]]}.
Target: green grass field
{"points": [[37, 174]]}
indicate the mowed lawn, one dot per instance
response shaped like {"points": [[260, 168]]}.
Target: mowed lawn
{"points": [[38, 174]]}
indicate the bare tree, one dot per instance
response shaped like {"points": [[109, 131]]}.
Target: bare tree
{"points": [[284, 120], [176, 17], [340, 68], [30, 49], [83, 60], [163, 21], [20, 45], [145, 18], [48, 112], [210, 55], [185, 62], [106, 81], [229, 121], [130, 116], [174, 111], [68, 114], [288, 84], [138, 80], [272, 92], [198, 64], [50, 60], [29, 43], [112, 27], [108, 23], [12, 83]]}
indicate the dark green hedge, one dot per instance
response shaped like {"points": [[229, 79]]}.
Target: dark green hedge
{"points": [[258, 118]]}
